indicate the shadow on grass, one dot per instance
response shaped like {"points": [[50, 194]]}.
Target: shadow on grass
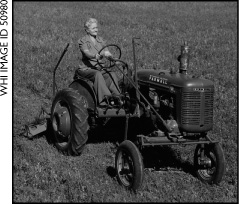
{"points": [[112, 131], [49, 133], [161, 158], [157, 157], [164, 157]]}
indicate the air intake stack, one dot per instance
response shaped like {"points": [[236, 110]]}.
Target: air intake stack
{"points": [[184, 59]]}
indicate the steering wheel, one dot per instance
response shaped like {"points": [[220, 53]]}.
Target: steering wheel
{"points": [[107, 62]]}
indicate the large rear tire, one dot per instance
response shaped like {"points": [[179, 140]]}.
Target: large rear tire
{"points": [[129, 166], [69, 118], [209, 168]]}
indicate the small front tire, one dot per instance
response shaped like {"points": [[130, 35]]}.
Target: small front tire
{"points": [[209, 162], [129, 166]]}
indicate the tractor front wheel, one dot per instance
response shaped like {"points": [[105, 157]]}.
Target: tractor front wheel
{"points": [[129, 166], [209, 163], [69, 118]]}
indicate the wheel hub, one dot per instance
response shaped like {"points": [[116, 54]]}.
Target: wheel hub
{"points": [[61, 122], [206, 162]]}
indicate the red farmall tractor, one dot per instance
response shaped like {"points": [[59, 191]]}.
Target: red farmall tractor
{"points": [[178, 109]]}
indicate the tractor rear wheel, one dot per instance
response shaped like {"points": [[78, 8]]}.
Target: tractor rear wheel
{"points": [[69, 118], [129, 166]]}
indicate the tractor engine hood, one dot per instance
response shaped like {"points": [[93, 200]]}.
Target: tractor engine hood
{"points": [[165, 79]]}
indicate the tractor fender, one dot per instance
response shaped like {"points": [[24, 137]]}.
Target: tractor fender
{"points": [[85, 87]]}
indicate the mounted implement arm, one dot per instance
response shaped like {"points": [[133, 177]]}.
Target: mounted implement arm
{"points": [[54, 72]]}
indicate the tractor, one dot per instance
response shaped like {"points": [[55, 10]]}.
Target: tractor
{"points": [[178, 109]]}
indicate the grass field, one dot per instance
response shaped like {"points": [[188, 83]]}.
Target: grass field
{"points": [[41, 32]]}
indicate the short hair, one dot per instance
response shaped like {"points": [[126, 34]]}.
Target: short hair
{"points": [[89, 22]]}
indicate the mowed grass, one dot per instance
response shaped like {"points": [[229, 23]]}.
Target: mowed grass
{"points": [[41, 32]]}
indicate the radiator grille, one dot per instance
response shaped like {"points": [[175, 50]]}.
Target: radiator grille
{"points": [[197, 107]]}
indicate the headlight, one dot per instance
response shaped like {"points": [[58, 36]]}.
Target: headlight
{"points": [[171, 89]]}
